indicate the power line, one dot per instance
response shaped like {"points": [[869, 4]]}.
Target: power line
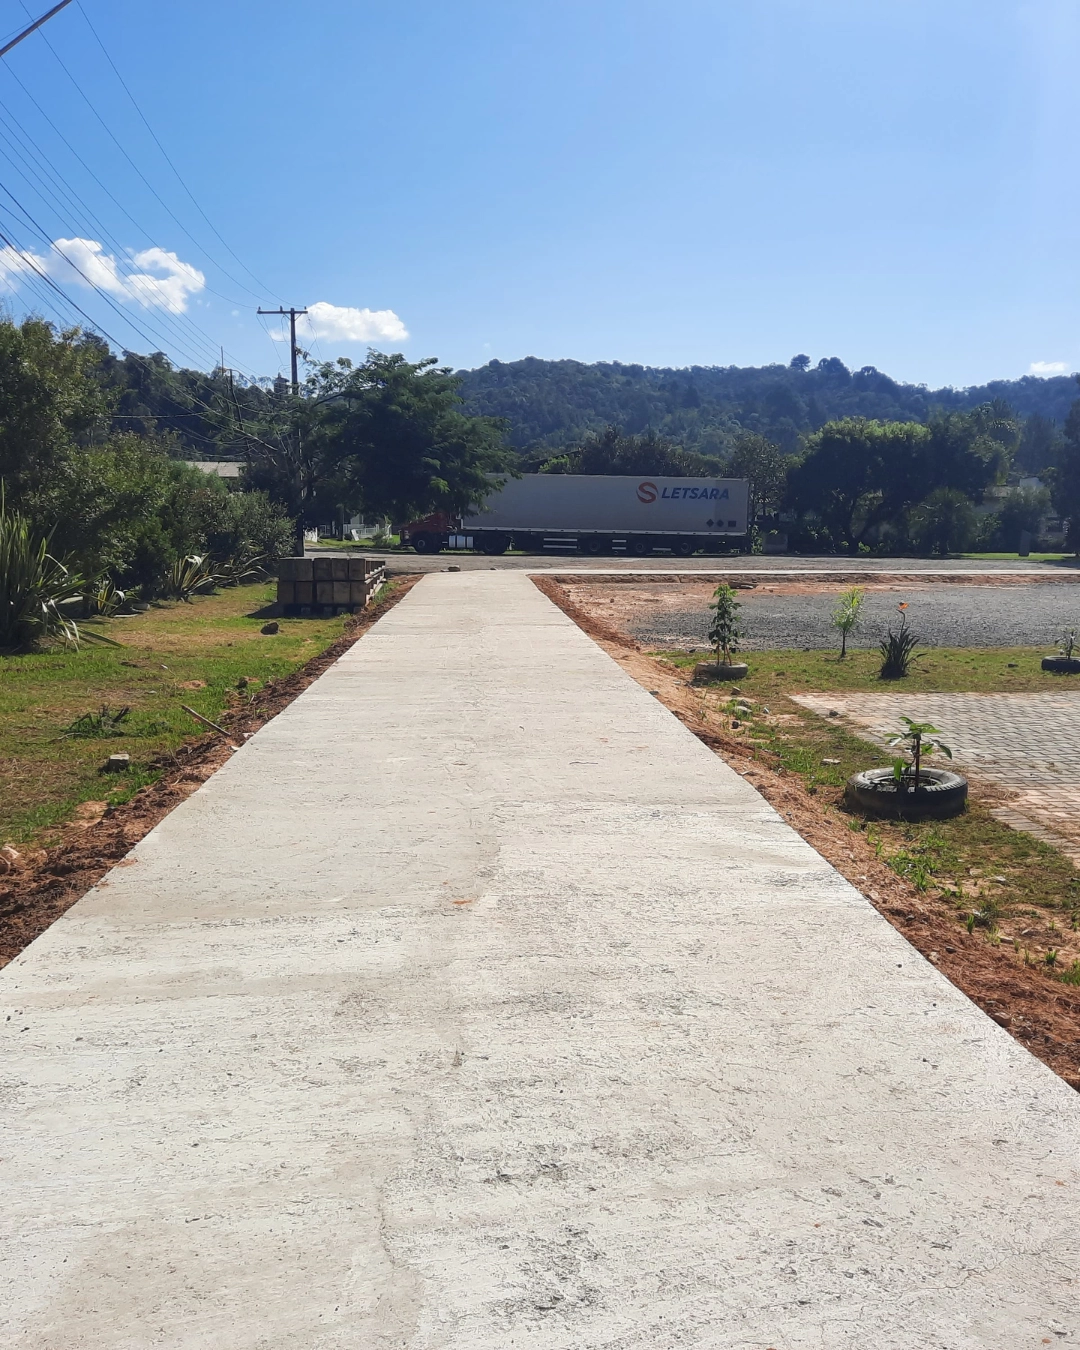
{"points": [[150, 187], [167, 157], [293, 314], [34, 26]]}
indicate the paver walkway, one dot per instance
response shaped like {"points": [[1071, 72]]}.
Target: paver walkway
{"points": [[1027, 743], [475, 1004]]}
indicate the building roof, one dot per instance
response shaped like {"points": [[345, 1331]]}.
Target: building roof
{"points": [[220, 468]]}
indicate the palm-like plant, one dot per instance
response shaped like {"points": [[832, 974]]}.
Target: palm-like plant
{"points": [[193, 575], [36, 589]]}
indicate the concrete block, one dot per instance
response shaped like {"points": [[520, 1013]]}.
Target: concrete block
{"points": [[286, 592], [339, 569], [341, 592], [357, 568], [286, 569], [324, 591], [323, 569], [359, 592], [303, 569], [303, 593]]}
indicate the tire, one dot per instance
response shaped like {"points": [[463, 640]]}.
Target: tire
{"points": [[1061, 665], [426, 543], [640, 546], [495, 544], [941, 793], [684, 548], [592, 545], [707, 672]]}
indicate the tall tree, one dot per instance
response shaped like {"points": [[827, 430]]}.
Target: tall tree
{"points": [[393, 441], [1065, 477], [765, 466]]}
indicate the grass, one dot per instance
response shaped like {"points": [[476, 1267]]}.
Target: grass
{"points": [[992, 875], [941, 670], [1009, 557], [196, 654]]}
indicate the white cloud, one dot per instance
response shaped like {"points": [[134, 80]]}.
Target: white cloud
{"points": [[154, 278], [1046, 368], [342, 323]]}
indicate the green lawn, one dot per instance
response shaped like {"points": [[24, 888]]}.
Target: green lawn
{"points": [[1003, 881], [174, 653], [941, 670]]}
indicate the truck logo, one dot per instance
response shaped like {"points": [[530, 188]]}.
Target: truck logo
{"points": [[647, 493]]}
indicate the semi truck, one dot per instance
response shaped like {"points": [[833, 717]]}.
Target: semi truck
{"points": [[595, 514]]}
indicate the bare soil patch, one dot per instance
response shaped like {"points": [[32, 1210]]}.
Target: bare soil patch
{"points": [[44, 883], [1040, 1011]]}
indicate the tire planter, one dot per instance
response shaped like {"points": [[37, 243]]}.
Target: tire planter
{"points": [[941, 793], [707, 672], [1061, 665]]}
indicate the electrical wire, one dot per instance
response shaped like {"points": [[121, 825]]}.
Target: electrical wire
{"points": [[168, 159], [149, 186]]}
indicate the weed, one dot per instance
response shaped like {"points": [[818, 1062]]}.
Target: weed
{"points": [[98, 725], [1051, 957], [1072, 975]]}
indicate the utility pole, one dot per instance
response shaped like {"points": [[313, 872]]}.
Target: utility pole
{"points": [[34, 27], [293, 315]]}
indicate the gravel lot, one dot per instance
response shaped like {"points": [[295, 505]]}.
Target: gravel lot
{"points": [[952, 615]]}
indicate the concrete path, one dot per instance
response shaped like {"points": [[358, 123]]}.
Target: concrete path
{"points": [[475, 1004]]}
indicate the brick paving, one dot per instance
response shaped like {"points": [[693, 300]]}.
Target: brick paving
{"points": [[1026, 743]]}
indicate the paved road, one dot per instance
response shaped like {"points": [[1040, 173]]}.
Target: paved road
{"points": [[1027, 743], [573, 562], [476, 1004]]}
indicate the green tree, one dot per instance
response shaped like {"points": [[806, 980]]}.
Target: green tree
{"points": [[858, 475], [944, 522], [1065, 477], [765, 466], [392, 439]]}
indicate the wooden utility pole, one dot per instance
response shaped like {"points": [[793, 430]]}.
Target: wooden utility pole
{"points": [[293, 316], [33, 27]]}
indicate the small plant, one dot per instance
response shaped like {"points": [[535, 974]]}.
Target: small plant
{"points": [[1051, 957], [898, 649], [919, 745], [239, 568], [194, 575], [1067, 644], [99, 725], [102, 598], [1072, 975], [847, 616], [725, 632]]}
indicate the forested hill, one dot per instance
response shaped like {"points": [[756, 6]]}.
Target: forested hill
{"points": [[553, 404]]}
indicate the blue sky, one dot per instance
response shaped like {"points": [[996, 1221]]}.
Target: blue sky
{"points": [[689, 182]]}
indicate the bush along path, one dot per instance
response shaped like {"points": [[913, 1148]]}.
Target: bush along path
{"points": [[800, 762], [40, 884]]}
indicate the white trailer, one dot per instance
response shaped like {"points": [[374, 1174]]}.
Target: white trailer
{"points": [[601, 514]]}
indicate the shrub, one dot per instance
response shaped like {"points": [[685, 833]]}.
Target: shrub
{"points": [[898, 649], [35, 587]]}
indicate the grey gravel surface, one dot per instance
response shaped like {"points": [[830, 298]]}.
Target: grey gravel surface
{"points": [[952, 615]]}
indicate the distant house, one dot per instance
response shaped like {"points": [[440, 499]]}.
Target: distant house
{"points": [[229, 469]]}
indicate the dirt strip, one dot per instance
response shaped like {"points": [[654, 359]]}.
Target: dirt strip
{"points": [[1040, 1012], [47, 882]]}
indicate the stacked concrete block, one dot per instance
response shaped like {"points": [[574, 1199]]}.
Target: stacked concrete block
{"points": [[309, 586]]}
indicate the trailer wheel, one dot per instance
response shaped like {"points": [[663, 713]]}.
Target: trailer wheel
{"points": [[684, 548], [640, 546], [593, 545], [494, 544]]}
